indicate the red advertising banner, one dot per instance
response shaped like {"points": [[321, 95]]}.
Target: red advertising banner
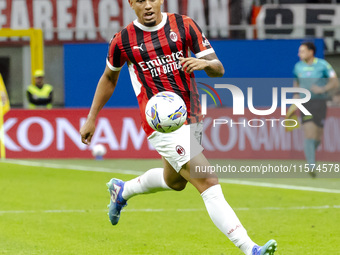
{"points": [[98, 20], [55, 134]]}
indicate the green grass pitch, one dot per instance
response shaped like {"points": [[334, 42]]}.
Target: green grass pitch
{"points": [[50, 207]]}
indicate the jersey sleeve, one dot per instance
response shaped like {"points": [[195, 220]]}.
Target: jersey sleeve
{"points": [[196, 39], [295, 73], [115, 56], [329, 71]]}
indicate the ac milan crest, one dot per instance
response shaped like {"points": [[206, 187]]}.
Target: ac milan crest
{"points": [[173, 36], [180, 150]]}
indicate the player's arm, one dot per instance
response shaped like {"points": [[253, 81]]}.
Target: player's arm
{"points": [[206, 58], [333, 82], [209, 63], [104, 91]]}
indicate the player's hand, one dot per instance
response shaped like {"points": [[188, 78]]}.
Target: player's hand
{"points": [[317, 89], [193, 64], [87, 131]]}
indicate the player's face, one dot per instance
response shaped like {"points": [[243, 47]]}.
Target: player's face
{"points": [[305, 54], [148, 11], [39, 81]]}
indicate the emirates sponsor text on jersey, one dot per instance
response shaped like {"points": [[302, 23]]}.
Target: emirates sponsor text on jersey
{"points": [[163, 65]]}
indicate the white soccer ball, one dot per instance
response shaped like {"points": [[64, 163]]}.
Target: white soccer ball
{"points": [[98, 150], [166, 112]]}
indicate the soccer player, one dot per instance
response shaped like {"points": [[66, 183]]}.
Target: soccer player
{"points": [[318, 76], [156, 48]]}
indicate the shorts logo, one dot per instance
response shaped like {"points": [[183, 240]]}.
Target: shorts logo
{"points": [[180, 150], [173, 36]]}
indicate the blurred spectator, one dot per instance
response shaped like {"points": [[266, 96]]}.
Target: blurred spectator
{"points": [[236, 9], [40, 94]]}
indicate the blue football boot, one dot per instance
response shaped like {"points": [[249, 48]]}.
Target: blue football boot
{"points": [[117, 202], [268, 249]]}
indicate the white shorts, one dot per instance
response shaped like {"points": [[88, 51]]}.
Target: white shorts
{"points": [[179, 146]]}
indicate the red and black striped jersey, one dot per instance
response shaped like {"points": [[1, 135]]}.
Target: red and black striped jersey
{"points": [[153, 53]]}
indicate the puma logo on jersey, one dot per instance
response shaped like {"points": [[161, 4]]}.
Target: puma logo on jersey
{"points": [[138, 48], [115, 192]]}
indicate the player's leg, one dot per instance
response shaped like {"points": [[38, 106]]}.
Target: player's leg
{"points": [[310, 130], [172, 147], [313, 130], [320, 119], [172, 178], [314, 140], [149, 182], [319, 134], [154, 179], [219, 210]]}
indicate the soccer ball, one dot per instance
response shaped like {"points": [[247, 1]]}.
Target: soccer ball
{"points": [[166, 112], [98, 151]]}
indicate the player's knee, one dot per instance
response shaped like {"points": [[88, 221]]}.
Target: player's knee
{"points": [[311, 136], [178, 186]]}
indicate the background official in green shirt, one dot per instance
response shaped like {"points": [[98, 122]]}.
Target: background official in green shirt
{"points": [[40, 94], [319, 77]]}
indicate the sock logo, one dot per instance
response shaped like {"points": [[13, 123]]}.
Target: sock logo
{"points": [[233, 229]]}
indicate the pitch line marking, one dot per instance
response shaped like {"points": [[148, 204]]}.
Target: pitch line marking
{"points": [[135, 172], [280, 186], [72, 167], [322, 207]]}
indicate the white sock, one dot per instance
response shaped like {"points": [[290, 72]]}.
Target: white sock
{"points": [[149, 182], [225, 218]]}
